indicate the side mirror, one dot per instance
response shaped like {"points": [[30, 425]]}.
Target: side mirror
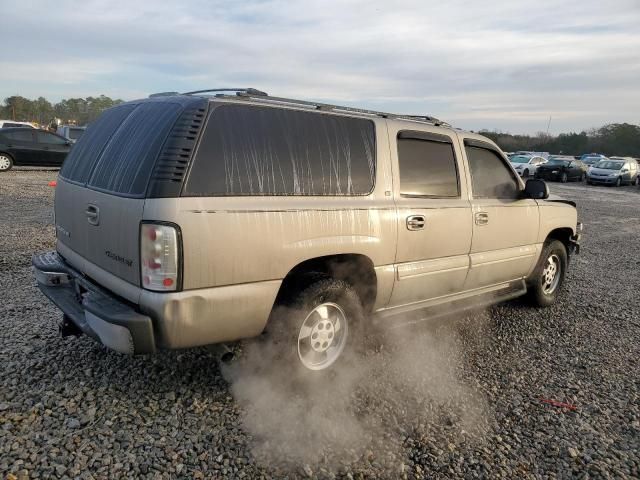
{"points": [[624, 170], [536, 189]]}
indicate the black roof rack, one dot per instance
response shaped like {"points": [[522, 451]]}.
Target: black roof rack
{"points": [[262, 97]]}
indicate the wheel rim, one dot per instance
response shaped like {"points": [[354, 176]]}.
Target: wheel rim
{"points": [[551, 274], [5, 163], [322, 336]]}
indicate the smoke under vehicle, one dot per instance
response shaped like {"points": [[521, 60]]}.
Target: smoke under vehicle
{"points": [[213, 216]]}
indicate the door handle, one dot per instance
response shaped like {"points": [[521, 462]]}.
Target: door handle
{"points": [[415, 222], [93, 214], [482, 218]]}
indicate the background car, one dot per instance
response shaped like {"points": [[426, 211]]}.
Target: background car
{"points": [[590, 160], [30, 146], [614, 171], [533, 154], [13, 123], [70, 132], [564, 169], [526, 165]]}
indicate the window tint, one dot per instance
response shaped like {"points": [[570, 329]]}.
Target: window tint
{"points": [[490, 177], [19, 136], [127, 160], [427, 168], [247, 150], [78, 164], [49, 138]]}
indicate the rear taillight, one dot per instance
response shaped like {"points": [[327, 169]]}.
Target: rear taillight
{"points": [[160, 257]]}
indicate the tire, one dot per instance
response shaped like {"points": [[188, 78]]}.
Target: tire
{"points": [[636, 182], [618, 182], [6, 162], [583, 177], [525, 174], [564, 178], [547, 278], [320, 329]]}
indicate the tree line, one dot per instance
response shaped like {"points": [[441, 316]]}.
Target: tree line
{"points": [[612, 139], [622, 139], [79, 111]]}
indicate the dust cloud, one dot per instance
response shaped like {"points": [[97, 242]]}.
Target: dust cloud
{"points": [[405, 386]]}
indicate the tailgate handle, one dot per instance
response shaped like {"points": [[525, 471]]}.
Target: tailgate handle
{"points": [[93, 214]]}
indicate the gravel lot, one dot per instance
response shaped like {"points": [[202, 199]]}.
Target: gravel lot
{"points": [[460, 399]]}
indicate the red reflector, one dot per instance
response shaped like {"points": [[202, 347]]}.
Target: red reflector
{"points": [[147, 280], [152, 234], [53, 183], [167, 282]]}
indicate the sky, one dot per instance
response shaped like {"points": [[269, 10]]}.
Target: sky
{"points": [[492, 64]]}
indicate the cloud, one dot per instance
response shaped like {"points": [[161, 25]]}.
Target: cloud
{"points": [[488, 64]]}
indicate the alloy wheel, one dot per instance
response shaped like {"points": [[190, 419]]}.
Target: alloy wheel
{"points": [[5, 163], [322, 336], [551, 274]]}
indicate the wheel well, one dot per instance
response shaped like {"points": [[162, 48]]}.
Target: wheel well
{"points": [[8, 155], [562, 234], [355, 269]]}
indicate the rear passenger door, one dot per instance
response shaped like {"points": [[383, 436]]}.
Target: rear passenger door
{"points": [[505, 226], [434, 215], [21, 145]]}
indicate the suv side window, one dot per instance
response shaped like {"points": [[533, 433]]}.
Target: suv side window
{"points": [[249, 150], [490, 177], [427, 167], [49, 138]]}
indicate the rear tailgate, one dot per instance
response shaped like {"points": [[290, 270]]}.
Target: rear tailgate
{"points": [[103, 183]]}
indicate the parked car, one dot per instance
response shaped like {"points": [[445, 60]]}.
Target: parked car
{"points": [[614, 171], [563, 169], [526, 165], [590, 160], [70, 132], [31, 147], [544, 155], [187, 220], [13, 123], [594, 155]]}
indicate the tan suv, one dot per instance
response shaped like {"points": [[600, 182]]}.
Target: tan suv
{"points": [[208, 217]]}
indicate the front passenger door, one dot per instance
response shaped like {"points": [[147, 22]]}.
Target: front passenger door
{"points": [[505, 226], [55, 148]]}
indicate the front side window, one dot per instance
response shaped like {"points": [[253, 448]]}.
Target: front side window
{"points": [[249, 150], [490, 177], [427, 168], [49, 138]]}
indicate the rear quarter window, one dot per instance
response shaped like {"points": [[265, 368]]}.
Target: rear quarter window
{"points": [[249, 150]]}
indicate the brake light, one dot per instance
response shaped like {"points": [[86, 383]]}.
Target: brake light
{"points": [[159, 257]]}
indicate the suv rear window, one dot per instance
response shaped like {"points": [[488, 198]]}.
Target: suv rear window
{"points": [[248, 150], [117, 152]]}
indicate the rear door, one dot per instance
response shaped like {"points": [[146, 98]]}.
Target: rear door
{"points": [[100, 197], [21, 145], [434, 215]]}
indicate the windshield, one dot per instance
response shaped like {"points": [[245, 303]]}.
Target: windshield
{"points": [[75, 133], [558, 161], [519, 159], [609, 165], [592, 160]]}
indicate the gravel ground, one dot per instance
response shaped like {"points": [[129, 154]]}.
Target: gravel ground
{"points": [[461, 399]]}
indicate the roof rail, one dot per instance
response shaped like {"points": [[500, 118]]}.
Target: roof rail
{"points": [[253, 94], [239, 91]]}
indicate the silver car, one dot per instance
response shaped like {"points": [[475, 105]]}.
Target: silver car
{"points": [[615, 171], [208, 217]]}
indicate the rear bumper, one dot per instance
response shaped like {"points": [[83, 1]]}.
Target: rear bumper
{"points": [[169, 320], [95, 312]]}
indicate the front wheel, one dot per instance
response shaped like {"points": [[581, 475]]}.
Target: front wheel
{"points": [[525, 174], [618, 182], [320, 329], [5, 162], [547, 278], [636, 182], [564, 178], [582, 177]]}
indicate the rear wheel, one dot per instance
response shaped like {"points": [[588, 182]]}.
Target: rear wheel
{"points": [[320, 329], [636, 182], [525, 174], [582, 177], [6, 162], [564, 177], [548, 276]]}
